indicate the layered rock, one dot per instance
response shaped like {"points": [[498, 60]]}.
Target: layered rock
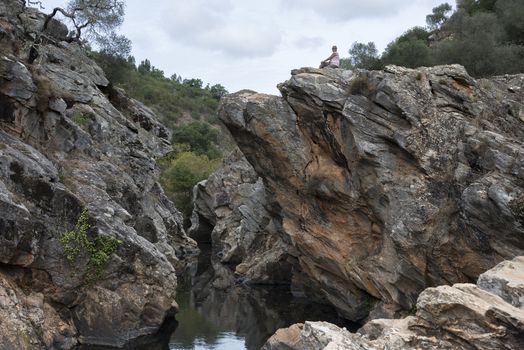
{"points": [[388, 182], [69, 141], [232, 212], [464, 316]]}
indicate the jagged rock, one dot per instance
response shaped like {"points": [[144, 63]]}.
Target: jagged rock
{"points": [[463, 316], [389, 181], [68, 141], [314, 335], [506, 280], [30, 317], [231, 211]]}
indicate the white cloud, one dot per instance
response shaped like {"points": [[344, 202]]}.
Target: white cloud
{"points": [[221, 26], [309, 42], [344, 10], [254, 44]]}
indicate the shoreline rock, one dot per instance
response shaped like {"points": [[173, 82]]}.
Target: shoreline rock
{"points": [[68, 141], [462, 316]]}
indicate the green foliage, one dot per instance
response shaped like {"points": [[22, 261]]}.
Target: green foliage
{"points": [[81, 119], [480, 44], [475, 6], [182, 172], [364, 56], [409, 50], [99, 249], [171, 98], [485, 36], [74, 241], [438, 16], [510, 14], [201, 138]]}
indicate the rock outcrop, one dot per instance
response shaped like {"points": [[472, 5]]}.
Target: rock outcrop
{"points": [[232, 212], [69, 141], [388, 182], [464, 316]]}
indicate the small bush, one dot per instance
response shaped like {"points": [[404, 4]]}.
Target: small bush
{"points": [[182, 172], [81, 120], [99, 249]]}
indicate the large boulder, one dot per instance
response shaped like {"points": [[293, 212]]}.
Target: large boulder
{"points": [[388, 182], [462, 316], [69, 141]]}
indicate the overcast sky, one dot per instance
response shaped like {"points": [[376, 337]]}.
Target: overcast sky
{"points": [[254, 45]]}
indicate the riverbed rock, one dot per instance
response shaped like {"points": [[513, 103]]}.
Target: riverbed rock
{"points": [[462, 316], [388, 182], [71, 141]]}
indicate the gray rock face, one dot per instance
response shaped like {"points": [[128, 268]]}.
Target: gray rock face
{"points": [[464, 316], [232, 211], [506, 280], [68, 141], [388, 182]]}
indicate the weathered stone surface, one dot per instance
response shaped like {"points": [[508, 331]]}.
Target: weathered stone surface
{"points": [[506, 280], [314, 335], [27, 317], [463, 316], [68, 141], [231, 210], [388, 182]]}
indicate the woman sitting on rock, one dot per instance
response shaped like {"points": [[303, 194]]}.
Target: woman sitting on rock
{"points": [[332, 61]]}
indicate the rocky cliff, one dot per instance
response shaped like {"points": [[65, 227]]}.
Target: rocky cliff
{"points": [[387, 182], [70, 141], [232, 212], [489, 315]]}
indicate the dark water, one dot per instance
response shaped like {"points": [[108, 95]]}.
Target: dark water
{"points": [[239, 318]]}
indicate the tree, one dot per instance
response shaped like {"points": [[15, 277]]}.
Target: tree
{"points": [[200, 136], [94, 21], [438, 17], [364, 56], [182, 173], [474, 45], [474, 6], [511, 14], [195, 83], [218, 91], [409, 50]]}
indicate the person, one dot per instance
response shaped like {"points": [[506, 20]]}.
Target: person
{"points": [[332, 61]]}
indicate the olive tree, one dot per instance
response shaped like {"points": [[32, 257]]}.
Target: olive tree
{"points": [[94, 21], [438, 16]]}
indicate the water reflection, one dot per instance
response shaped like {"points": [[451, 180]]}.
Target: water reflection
{"points": [[218, 313], [241, 317]]}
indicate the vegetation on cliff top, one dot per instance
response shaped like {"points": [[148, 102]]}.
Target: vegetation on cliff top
{"points": [[485, 36], [188, 108]]}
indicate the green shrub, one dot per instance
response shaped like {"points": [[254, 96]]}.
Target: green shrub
{"points": [[81, 120], [99, 249], [182, 172]]}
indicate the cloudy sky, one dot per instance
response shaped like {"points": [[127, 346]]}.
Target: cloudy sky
{"points": [[245, 44]]}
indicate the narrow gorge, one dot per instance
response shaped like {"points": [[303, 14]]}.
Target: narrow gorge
{"points": [[387, 201]]}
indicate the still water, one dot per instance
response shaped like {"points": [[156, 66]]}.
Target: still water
{"points": [[240, 318]]}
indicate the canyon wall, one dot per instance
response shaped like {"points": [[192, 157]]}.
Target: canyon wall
{"points": [[71, 141], [384, 183]]}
